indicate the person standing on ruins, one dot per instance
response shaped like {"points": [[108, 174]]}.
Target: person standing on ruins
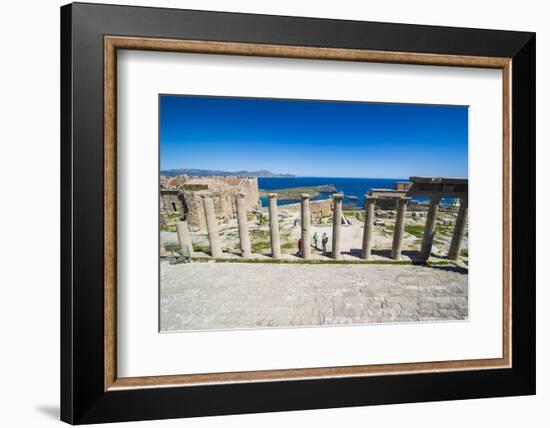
{"points": [[324, 241]]}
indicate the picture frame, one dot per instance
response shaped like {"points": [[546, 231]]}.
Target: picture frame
{"points": [[91, 391]]}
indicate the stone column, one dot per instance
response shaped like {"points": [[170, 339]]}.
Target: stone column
{"points": [[429, 230], [337, 225], [399, 229], [242, 221], [367, 231], [212, 226], [460, 228], [305, 221], [274, 227], [184, 237]]}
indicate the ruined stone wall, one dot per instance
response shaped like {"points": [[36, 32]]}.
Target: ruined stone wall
{"points": [[172, 202], [163, 217], [322, 207], [194, 209], [176, 181], [171, 207], [223, 191], [249, 186], [318, 210], [224, 203]]}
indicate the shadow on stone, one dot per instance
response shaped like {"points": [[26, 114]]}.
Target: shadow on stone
{"points": [[355, 252], [449, 268]]}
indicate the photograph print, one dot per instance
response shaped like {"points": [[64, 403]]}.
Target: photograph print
{"points": [[281, 213]]}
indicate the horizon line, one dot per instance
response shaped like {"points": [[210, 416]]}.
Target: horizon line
{"points": [[326, 176]]}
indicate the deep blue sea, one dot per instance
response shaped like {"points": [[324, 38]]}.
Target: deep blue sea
{"points": [[348, 186]]}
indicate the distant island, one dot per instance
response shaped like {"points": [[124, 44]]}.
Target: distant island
{"points": [[293, 193], [210, 172]]}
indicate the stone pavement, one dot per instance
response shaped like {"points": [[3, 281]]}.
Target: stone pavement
{"points": [[210, 295]]}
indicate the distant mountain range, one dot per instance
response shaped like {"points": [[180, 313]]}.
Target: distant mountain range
{"points": [[205, 172]]}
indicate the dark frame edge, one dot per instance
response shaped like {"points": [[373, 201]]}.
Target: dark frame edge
{"points": [[523, 220], [66, 306]]}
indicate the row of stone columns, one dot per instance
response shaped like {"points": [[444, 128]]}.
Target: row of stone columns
{"points": [[366, 250], [336, 226], [429, 230], [458, 232], [244, 237], [398, 232]]}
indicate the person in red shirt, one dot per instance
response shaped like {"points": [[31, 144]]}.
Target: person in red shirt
{"points": [[300, 246]]}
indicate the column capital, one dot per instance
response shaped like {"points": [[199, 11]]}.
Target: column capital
{"points": [[369, 198], [338, 196], [240, 195], [272, 195], [206, 195], [304, 196]]}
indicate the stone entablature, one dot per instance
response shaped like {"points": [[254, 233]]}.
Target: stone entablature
{"points": [[441, 187], [385, 198], [402, 185], [434, 188]]}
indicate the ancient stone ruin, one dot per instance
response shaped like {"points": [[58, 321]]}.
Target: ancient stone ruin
{"points": [[181, 198], [430, 187], [212, 203]]}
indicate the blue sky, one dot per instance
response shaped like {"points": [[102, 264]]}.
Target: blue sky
{"points": [[313, 138]]}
